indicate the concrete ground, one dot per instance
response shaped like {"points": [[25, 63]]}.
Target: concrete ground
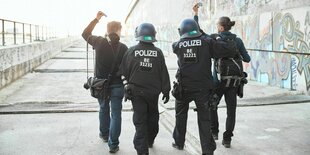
{"points": [[41, 113], [69, 133], [259, 130]]}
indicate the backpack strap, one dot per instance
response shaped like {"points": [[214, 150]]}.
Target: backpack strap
{"points": [[116, 61], [239, 67], [115, 58]]}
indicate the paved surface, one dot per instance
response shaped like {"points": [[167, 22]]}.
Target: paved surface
{"points": [[68, 134], [270, 120], [260, 130]]}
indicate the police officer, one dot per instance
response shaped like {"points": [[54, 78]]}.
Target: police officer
{"points": [[143, 66], [195, 78]]}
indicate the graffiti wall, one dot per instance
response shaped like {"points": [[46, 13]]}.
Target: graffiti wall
{"points": [[275, 32]]}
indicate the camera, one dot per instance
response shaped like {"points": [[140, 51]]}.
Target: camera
{"points": [[86, 85], [199, 4], [243, 79]]}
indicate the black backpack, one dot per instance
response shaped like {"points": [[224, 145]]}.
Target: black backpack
{"points": [[228, 60], [226, 53]]}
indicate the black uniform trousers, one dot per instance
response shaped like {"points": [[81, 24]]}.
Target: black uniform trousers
{"points": [[230, 94], [145, 119], [200, 97]]}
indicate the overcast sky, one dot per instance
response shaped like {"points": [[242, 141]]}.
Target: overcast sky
{"points": [[67, 16]]}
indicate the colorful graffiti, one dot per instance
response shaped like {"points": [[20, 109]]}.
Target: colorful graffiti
{"points": [[279, 41], [296, 41], [285, 32], [294, 73]]}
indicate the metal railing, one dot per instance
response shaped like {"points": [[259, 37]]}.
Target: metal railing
{"points": [[13, 32], [283, 52]]}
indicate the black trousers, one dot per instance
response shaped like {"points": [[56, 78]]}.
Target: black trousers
{"points": [[200, 97], [230, 94], [145, 119]]}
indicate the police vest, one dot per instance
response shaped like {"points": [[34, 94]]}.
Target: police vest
{"points": [[146, 59], [194, 60], [191, 51]]}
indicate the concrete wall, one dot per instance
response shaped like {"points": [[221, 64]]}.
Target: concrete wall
{"points": [[16, 61], [281, 27]]}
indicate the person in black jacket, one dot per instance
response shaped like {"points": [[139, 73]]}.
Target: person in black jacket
{"points": [[230, 92], [109, 50], [143, 66], [195, 79], [224, 24]]}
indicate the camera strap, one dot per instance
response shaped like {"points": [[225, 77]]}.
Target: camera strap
{"points": [[115, 57], [87, 57]]}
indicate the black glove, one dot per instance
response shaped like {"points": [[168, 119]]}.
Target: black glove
{"points": [[166, 98], [127, 92]]}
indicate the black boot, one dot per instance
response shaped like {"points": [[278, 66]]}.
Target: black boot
{"points": [[227, 139], [177, 146], [226, 143]]}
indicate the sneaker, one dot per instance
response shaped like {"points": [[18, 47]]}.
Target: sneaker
{"points": [[226, 143], [177, 146], [104, 138], [215, 136], [114, 150]]}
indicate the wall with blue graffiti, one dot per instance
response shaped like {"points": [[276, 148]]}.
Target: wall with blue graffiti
{"points": [[275, 32]]}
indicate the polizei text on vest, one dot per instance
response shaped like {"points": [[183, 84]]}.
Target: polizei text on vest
{"points": [[145, 53], [190, 43]]}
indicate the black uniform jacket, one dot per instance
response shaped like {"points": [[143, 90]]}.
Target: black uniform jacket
{"points": [[194, 61], [144, 66]]}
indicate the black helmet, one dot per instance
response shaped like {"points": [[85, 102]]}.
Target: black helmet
{"points": [[189, 29], [145, 32]]}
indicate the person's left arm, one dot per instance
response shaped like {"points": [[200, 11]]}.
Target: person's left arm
{"points": [[244, 53], [165, 79]]}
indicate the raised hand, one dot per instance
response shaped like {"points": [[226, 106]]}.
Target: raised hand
{"points": [[100, 14]]}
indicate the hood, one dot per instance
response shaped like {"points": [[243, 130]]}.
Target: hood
{"points": [[114, 38]]}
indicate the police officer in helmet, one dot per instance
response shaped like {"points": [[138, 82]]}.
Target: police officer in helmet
{"points": [[195, 79], [144, 67]]}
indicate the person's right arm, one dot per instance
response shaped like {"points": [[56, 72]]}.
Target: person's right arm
{"points": [[195, 9], [87, 33]]}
